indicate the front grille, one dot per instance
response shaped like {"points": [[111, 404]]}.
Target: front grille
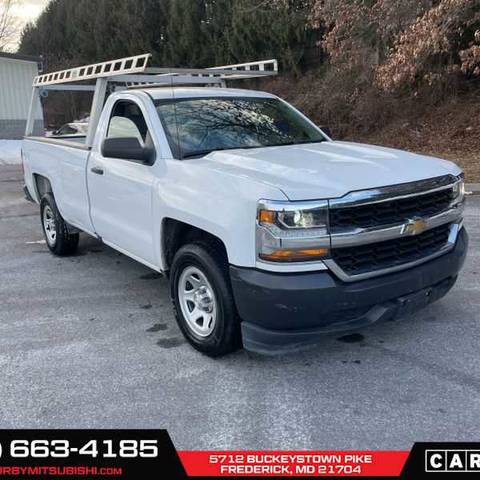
{"points": [[390, 253], [390, 212]]}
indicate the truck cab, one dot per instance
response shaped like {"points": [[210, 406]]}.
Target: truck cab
{"points": [[271, 233]]}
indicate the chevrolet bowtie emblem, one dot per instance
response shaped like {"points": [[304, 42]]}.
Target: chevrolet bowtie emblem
{"points": [[414, 226]]}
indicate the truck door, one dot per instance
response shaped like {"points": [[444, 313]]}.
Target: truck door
{"points": [[120, 190]]}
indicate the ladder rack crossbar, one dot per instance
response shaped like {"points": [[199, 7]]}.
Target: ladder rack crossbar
{"points": [[119, 66], [259, 66], [262, 68]]}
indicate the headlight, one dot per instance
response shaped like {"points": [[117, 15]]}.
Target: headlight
{"points": [[302, 218], [291, 232]]}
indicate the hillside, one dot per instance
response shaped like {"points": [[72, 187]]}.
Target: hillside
{"points": [[450, 130], [447, 127]]}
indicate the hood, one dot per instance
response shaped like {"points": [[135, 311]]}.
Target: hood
{"points": [[328, 169]]}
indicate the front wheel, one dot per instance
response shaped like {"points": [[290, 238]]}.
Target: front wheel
{"points": [[203, 300], [59, 240]]}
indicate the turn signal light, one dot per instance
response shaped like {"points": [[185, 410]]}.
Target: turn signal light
{"points": [[266, 216], [300, 255]]}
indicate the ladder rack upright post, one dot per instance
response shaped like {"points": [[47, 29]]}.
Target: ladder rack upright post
{"points": [[96, 110]]}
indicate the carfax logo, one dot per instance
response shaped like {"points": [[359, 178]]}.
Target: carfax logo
{"points": [[452, 461]]}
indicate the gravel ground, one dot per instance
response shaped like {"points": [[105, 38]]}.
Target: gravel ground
{"points": [[90, 341]]}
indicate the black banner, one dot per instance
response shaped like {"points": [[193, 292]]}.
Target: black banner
{"points": [[76, 454], [145, 454]]}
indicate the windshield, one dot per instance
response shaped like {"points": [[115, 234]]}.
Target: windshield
{"points": [[197, 126]]}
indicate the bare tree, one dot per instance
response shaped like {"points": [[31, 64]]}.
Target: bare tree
{"points": [[9, 24]]}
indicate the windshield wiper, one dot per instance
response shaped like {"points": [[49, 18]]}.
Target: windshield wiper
{"points": [[299, 142]]}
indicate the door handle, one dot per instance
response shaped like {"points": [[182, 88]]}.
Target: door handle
{"points": [[97, 170]]}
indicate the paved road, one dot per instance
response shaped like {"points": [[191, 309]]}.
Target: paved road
{"points": [[90, 341]]}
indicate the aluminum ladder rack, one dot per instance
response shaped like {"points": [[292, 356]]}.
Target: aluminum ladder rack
{"points": [[132, 72]]}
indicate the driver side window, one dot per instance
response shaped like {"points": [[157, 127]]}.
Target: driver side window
{"points": [[127, 121], [122, 127]]}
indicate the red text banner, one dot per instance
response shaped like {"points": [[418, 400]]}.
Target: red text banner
{"points": [[293, 463]]}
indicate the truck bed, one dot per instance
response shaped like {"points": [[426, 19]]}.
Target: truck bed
{"points": [[64, 163]]}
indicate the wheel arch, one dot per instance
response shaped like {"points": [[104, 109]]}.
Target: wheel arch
{"points": [[42, 185], [175, 234]]}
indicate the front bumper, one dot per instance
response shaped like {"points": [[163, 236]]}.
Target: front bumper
{"points": [[283, 312]]}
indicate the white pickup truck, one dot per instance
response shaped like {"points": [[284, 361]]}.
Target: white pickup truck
{"points": [[271, 233]]}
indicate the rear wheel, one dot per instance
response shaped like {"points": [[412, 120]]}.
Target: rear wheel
{"points": [[59, 240], [203, 300]]}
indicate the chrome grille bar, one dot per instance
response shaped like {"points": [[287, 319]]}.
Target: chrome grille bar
{"points": [[394, 192], [361, 236]]}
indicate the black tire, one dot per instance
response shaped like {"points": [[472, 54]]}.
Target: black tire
{"points": [[210, 260], [64, 243]]}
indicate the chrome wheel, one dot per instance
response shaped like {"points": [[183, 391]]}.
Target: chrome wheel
{"points": [[197, 301], [49, 225]]}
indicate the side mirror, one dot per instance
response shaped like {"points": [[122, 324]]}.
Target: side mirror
{"points": [[327, 131], [127, 148]]}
